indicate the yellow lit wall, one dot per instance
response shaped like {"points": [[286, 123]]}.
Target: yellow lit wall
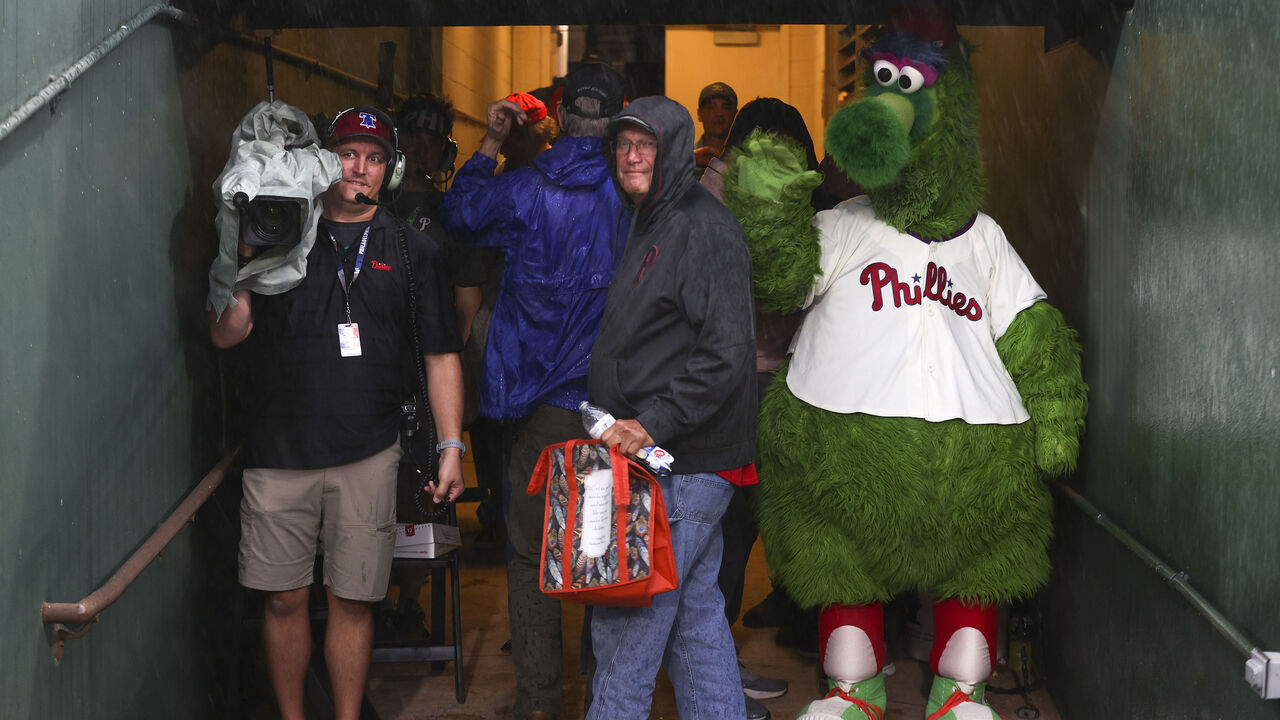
{"points": [[787, 63], [531, 58], [481, 64]]}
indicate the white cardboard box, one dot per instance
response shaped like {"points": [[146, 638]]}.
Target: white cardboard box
{"points": [[426, 540]]}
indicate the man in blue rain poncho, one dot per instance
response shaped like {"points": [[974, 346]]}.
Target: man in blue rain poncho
{"points": [[557, 224]]}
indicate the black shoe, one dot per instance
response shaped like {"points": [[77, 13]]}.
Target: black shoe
{"points": [[757, 687], [755, 711], [775, 610], [398, 626]]}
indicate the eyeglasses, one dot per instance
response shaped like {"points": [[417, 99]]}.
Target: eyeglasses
{"points": [[646, 148]]}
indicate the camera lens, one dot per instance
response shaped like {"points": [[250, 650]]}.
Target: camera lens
{"points": [[272, 221]]}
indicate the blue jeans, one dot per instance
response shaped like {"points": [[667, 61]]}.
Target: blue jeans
{"points": [[685, 631]]}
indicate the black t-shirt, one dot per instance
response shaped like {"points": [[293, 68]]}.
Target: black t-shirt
{"points": [[466, 265], [347, 238], [310, 407]]}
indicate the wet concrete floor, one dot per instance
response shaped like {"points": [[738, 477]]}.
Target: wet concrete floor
{"points": [[413, 691]]}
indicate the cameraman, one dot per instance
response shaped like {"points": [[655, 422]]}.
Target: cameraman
{"points": [[329, 367]]}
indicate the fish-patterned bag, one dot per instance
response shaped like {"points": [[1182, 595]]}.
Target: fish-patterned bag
{"points": [[637, 525]]}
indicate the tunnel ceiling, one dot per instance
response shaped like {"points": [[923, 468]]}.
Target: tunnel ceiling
{"points": [[1063, 19]]}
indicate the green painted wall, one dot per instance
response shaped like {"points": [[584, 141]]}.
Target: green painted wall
{"points": [[107, 400], [1182, 351], [111, 411]]}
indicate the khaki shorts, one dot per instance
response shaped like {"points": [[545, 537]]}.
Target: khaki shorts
{"points": [[348, 510]]}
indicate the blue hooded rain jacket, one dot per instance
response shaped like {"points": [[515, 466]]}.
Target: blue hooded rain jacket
{"points": [[560, 226]]}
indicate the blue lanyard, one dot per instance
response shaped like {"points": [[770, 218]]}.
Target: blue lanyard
{"points": [[355, 273]]}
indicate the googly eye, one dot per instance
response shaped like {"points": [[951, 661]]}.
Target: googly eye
{"points": [[910, 80], [885, 72]]}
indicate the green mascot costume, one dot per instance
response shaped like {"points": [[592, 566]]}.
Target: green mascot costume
{"points": [[930, 391]]}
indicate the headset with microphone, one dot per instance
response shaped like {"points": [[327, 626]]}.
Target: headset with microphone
{"points": [[431, 115], [367, 121]]}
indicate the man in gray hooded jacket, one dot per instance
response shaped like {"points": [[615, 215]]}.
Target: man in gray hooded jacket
{"points": [[675, 362]]}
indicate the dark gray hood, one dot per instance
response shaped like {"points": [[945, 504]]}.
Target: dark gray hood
{"points": [[674, 169]]}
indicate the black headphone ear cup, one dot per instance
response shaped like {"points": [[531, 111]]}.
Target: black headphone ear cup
{"points": [[449, 156]]}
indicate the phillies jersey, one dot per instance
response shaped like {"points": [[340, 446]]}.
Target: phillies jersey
{"points": [[902, 326]]}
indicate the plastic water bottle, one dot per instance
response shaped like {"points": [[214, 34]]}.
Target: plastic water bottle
{"points": [[596, 420]]}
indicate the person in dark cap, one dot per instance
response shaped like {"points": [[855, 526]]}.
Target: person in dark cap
{"points": [[717, 106], [675, 363], [557, 223], [425, 122], [425, 126]]}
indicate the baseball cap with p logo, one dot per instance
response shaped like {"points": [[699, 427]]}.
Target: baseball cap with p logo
{"points": [[363, 121]]}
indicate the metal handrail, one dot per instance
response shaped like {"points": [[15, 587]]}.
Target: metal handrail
{"points": [[87, 611], [58, 83], [1257, 661]]}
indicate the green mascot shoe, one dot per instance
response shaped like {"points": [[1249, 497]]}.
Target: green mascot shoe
{"points": [[860, 701], [948, 702]]}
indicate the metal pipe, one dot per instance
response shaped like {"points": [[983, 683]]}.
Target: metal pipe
{"points": [[58, 83], [1175, 578], [310, 64], [317, 67], [88, 609]]}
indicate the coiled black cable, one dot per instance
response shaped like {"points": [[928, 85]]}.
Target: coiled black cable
{"points": [[426, 471]]}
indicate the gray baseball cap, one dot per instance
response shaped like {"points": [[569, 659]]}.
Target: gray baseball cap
{"points": [[717, 90]]}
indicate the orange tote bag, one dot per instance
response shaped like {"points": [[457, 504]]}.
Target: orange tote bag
{"points": [[630, 562]]}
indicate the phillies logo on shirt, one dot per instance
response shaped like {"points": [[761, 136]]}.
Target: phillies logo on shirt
{"points": [[937, 288], [646, 262], [380, 265]]}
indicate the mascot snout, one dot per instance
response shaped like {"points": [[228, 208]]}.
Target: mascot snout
{"points": [[870, 139]]}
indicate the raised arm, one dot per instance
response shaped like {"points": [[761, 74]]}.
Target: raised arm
{"points": [[481, 208], [767, 187], [236, 321]]}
